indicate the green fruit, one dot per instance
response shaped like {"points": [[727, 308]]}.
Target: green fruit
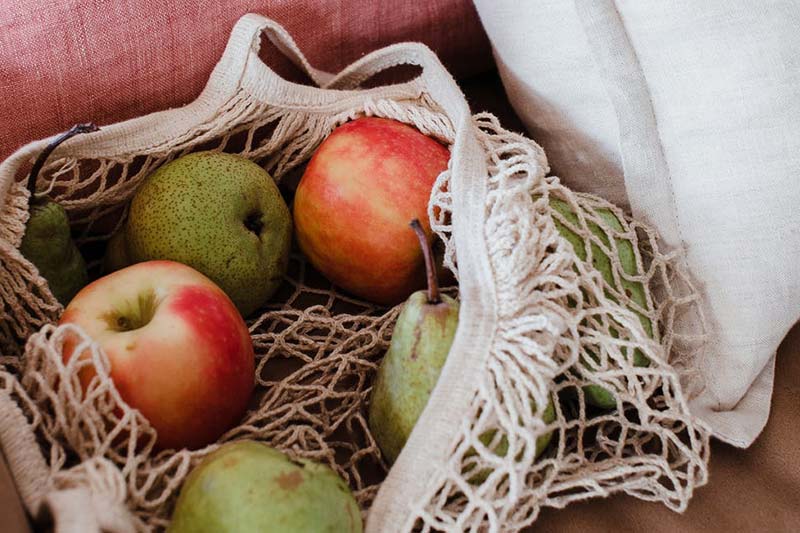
{"points": [[248, 487], [542, 442], [408, 373], [116, 256], [595, 394], [47, 244], [410, 369], [220, 214]]}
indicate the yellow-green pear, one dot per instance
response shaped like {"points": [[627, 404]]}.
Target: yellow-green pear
{"points": [[219, 213], [408, 373], [501, 448], [249, 487], [410, 369], [595, 394]]}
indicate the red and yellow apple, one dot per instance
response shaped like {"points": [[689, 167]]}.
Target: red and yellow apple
{"points": [[362, 187], [179, 350]]}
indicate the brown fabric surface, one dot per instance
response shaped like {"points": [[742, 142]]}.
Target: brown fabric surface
{"points": [[12, 515], [81, 60]]}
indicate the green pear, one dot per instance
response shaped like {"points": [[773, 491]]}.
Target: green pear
{"points": [[542, 442], [249, 487], [116, 256], [501, 448], [410, 369], [595, 394], [47, 241], [420, 343], [219, 213]]}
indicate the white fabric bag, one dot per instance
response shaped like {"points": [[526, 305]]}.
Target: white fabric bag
{"points": [[698, 105]]}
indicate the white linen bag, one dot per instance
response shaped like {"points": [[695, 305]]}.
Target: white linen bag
{"points": [[696, 104]]}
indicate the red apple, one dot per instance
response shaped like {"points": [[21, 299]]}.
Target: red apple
{"points": [[179, 350], [362, 187]]}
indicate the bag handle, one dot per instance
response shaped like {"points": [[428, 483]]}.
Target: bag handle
{"points": [[249, 29], [238, 60], [278, 35], [478, 318], [25, 460]]}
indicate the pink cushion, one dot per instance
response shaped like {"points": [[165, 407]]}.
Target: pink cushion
{"points": [[87, 60]]}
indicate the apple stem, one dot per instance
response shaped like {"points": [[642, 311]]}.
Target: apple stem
{"points": [[433, 284], [77, 129]]}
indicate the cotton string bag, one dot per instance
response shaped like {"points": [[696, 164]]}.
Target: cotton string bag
{"points": [[536, 323]]}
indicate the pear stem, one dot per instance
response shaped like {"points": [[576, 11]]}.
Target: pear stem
{"points": [[433, 283], [77, 129]]}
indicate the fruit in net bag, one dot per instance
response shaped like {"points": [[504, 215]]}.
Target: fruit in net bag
{"points": [[352, 207], [409, 371], [47, 242], [595, 394], [179, 351], [220, 214], [249, 487]]}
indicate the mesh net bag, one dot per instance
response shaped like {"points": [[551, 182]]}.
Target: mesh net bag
{"points": [[538, 322]]}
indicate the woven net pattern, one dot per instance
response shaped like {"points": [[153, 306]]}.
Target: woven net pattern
{"points": [[317, 349], [562, 327]]}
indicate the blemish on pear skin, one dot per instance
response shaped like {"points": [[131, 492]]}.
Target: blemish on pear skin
{"points": [[417, 337], [440, 313], [290, 480]]}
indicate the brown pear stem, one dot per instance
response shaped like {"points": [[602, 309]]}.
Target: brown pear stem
{"points": [[77, 129], [433, 283]]}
